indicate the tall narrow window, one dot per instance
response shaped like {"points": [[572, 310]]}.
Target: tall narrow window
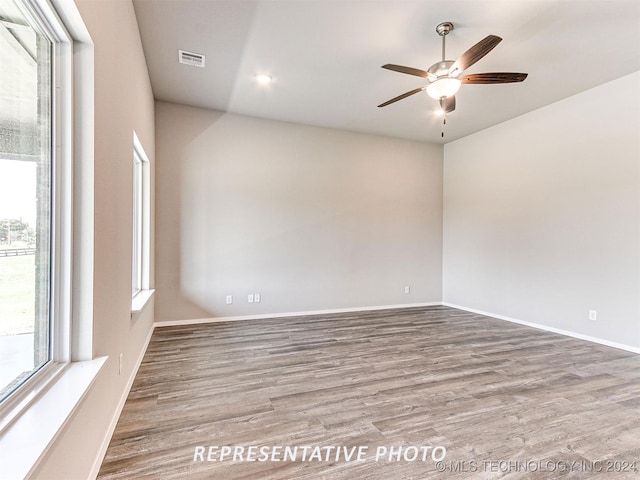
{"points": [[140, 247], [136, 268], [27, 184]]}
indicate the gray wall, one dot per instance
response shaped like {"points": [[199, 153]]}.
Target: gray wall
{"points": [[542, 215], [310, 218]]}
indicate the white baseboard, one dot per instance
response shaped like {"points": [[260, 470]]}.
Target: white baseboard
{"points": [[114, 421], [559, 331], [171, 323], [567, 333]]}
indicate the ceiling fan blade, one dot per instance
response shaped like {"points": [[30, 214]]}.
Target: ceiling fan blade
{"points": [[496, 77], [474, 54], [407, 70], [448, 104], [400, 97]]}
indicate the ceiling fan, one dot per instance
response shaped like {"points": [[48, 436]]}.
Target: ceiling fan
{"points": [[444, 78]]}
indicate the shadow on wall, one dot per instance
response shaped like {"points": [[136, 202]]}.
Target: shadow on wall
{"points": [[309, 218], [172, 139]]}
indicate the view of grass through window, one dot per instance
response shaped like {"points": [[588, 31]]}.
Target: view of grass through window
{"points": [[25, 198]]}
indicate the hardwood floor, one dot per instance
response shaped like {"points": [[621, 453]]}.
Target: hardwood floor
{"points": [[512, 399]]}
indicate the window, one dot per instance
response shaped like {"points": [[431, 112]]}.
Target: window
{"points": [[46, 199], [136, 268], [140, 247], [31, 209]]}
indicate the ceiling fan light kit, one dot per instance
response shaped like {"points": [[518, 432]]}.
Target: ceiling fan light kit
{"points": [[444, 78], [263, 79], [443, 88]]}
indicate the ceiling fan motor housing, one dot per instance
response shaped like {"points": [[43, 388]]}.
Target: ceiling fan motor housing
{"points": [[439, 70]]}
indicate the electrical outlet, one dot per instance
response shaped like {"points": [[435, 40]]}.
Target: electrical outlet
{"points": [[256, 297], [250, 298], [407, 289], [593, 315], [120, 361], [229, 299]]}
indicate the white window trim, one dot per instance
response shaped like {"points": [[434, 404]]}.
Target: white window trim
{"points": [[137, 263], [141, 298], [140, 301], [32, 420], [24, 444], [61, 162]]}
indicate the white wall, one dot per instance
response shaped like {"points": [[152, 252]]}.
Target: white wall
{"points": [[542, 215], [123, 102], [311, 218]]}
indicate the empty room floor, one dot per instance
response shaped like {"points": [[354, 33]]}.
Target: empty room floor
{"points": [[504, 400]]}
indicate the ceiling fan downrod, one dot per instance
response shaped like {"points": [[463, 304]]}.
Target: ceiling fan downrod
{"points": [[443, 30]]}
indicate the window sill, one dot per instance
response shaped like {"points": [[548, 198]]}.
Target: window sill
{"points": [[140, 300], [24, 443]]}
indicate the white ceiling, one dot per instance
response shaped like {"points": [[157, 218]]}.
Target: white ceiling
{"points": [[325, 57]]}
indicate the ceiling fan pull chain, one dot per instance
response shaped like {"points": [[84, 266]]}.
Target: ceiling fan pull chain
{"points": [[444, 122]]}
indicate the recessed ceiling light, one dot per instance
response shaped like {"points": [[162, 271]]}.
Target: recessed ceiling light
{"points": [[263, 79]]}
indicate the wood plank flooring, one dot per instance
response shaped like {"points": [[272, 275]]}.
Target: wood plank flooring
{"points": [[503, 399]]}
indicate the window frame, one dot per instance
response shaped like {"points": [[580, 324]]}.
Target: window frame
{"points": [[138, 217], [141, 228], [44, 18], [35, 418]]}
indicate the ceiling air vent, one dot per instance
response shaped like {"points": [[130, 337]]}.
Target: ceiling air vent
{"points": [[190, 58]]}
